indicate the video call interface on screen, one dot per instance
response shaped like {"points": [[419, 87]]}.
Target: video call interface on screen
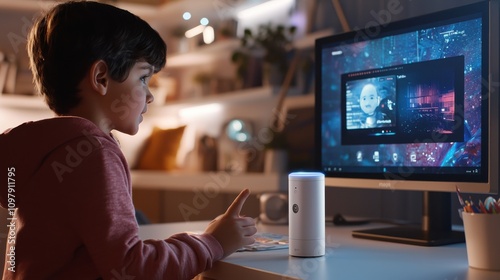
{"points": [[411, 99]]}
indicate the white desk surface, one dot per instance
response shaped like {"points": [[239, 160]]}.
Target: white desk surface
{"points": [[346, 258]]}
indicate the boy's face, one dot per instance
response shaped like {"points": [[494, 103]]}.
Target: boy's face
{"points": [[130, 98], [368, 99]]}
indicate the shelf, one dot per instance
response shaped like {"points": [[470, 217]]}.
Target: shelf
{"points": [[33, 102], [223, 182], [202, 55], [298, 101], [229, 98], [208, 53]]}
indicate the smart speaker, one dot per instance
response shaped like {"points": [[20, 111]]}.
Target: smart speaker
{"points": [[306, 214]]}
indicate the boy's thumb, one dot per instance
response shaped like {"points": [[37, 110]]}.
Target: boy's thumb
{"points": [[235, 208]]}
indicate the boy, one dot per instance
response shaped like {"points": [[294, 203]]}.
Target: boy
{"points": [[67, 178]]}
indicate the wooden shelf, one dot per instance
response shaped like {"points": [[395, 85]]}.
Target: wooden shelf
{"points": [[13, 101], [223, 182], [202, 55], [229, 98]]}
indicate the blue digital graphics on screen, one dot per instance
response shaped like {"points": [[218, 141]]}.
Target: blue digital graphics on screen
{"points": [[399, 100]]}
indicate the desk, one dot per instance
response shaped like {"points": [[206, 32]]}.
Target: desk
{"points": [[346, 258]]}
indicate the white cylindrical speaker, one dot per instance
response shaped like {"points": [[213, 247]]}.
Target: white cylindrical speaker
{"points": [[306, 214]]}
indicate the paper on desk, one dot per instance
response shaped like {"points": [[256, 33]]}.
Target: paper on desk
{"points": [[265, 241]]}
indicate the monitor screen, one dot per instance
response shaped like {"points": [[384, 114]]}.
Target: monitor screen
{"points": [[411, 105]]}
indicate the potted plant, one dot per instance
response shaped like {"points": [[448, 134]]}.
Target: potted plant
{"points": [[271, 43], [203, 79]]}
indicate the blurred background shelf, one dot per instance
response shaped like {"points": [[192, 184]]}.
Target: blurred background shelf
{"points": [[223, 182]]}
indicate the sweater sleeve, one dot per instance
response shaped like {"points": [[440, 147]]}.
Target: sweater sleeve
{"points": [[101, 212]]}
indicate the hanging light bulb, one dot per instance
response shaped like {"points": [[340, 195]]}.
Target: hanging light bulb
{"points": [[208, 35]]}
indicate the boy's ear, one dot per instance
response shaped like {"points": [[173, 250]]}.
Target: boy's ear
{"points": [[99, 76]]}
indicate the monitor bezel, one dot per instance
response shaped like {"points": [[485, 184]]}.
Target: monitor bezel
{"points": [[491, 9]]}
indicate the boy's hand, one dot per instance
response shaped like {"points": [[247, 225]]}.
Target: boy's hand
{"points": [[232, 230]]}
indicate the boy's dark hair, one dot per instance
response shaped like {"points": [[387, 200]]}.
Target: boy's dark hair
{"points": [[66, 41]]}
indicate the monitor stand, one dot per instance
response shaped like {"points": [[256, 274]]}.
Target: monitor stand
{"points": [[435, 230]]}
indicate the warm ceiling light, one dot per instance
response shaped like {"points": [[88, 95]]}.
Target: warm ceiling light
{"points": [[194, 31], [208, 35]]}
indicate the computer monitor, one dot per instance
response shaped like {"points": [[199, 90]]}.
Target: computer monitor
{"points": [[412, 105]]}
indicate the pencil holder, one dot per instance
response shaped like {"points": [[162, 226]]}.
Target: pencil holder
{"points": [[482, 239]]}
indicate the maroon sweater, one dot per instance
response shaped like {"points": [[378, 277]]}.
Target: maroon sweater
{"points": [[75, 219]]}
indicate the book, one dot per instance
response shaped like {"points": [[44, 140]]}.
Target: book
{"points": [[265, 241]]}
